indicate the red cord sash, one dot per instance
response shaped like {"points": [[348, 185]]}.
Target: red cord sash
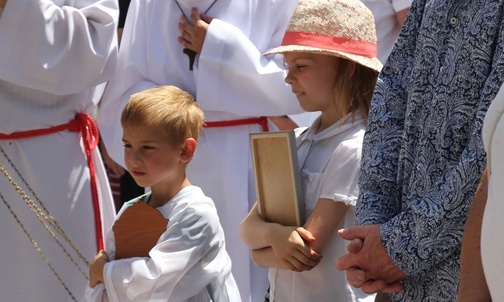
{"points": [[85, 125], [262, 121]]}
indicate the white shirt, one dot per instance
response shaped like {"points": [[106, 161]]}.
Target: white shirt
{"points": [[231, 80], [492, 240], [329, 163], [188, 263], [387, 27], [53, 54]]}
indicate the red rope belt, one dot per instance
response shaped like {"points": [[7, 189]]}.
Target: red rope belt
{"points": [[84, 124], [262, 121]]}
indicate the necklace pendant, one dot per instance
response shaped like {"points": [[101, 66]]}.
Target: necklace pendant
{"points": [[192, 56]]}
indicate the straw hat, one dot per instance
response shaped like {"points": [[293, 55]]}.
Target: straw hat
{"points": [[341, 28]]}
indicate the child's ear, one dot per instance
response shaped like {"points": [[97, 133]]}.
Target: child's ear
{"points": [[188, 149]]}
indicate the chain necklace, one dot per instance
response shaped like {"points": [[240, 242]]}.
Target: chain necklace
{"points": [[189, 52], [47, 220]]}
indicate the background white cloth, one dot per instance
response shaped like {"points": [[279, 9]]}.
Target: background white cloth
{"points": [[387, 27], [52, 55]]}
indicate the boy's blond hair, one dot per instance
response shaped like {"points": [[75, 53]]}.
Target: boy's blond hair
{"points": [[167, 108]]}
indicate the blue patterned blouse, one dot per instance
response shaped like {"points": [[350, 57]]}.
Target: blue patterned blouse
{"points": [[423, 153]]}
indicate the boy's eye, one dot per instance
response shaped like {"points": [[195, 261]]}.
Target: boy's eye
{"points": [[299, 66], [126, 146], [149, 147]]}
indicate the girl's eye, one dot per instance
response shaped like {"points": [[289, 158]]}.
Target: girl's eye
{"points": [[297, 66]]}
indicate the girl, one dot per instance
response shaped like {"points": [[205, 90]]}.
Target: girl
{"points": [[330, 51]]}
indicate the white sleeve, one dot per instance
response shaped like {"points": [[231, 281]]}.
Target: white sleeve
{"points": [[253, 82], [131, 76], [176, 259], [59, 49], [340, 179]]}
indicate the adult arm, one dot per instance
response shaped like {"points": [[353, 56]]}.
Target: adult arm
{"points": [[473, 286], [401, 8], [401, 16], [59, 49]]}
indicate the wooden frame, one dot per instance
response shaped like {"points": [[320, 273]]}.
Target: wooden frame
{"points": [[277, 178]]}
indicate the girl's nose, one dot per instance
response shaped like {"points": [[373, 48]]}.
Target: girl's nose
{"points": [[289, 78]]}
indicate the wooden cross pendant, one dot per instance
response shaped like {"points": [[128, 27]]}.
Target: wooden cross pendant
{"points": [[192, 56]]}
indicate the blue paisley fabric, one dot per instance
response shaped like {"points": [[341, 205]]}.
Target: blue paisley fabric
{"points": [[423, 153]]}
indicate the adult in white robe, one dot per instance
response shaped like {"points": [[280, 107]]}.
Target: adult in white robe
{"points": [[231, 80], [53, 57]]}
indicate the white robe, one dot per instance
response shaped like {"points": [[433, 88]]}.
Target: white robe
{"points": [[189, 262], [53, 54], [231, 80], [492, 241]]}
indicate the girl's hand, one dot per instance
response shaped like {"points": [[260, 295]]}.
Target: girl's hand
{"points": [[193, 36], [292, 250], [96, 268]]}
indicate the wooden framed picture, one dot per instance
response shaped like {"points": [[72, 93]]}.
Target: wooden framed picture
{"points": [[138, 230], [277, 178]]}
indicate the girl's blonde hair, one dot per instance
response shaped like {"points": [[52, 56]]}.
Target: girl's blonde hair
{"points": [[167, 108], [353, 90]]}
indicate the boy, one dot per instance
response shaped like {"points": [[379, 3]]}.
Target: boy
{"points": [[189, 262]]}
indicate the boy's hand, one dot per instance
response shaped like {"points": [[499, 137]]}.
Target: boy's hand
{"points": [[193, 36], [3, 3], [96, 268], [290, 248]]}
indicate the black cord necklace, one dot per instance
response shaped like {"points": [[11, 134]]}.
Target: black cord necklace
{"points": [[189, 52]]}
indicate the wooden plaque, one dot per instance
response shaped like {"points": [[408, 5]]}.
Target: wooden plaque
{"points": [[138, 230], [278, 184]]}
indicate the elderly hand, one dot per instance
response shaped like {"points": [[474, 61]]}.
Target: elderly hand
{"points": [[368, 264], [193, 36]]}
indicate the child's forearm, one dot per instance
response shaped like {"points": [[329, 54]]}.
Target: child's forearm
{"points": [[266, 257], [322, 223], [254, 231]]}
